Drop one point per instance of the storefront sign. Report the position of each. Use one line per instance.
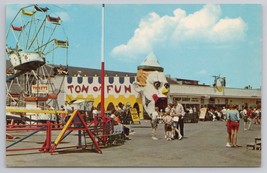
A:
(134, 115)
(202, 114)
(41, 89)
(81, 88)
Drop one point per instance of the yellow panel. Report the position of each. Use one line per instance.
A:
(27, 13)
(132, 99)
(65, 127)
(36, 111)
(61, 43)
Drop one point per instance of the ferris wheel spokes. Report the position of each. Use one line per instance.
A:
(37, 34)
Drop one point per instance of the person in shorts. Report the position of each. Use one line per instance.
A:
(245, 118)
(228, 138)
(168, 126)
(154, 122)
(233, 118)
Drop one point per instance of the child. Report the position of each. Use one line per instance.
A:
(168, 126)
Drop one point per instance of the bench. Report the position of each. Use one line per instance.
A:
(256, 145)
(251, 145)
(115, 138)
(257, 139)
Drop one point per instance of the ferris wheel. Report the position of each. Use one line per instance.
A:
(34, 40)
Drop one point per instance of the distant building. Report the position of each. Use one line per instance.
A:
(195, 95)
(84, 83)
(188, 92)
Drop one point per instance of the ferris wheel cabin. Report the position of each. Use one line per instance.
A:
(21, 60)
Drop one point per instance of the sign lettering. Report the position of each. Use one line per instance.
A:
(81, 88)
(42, 89)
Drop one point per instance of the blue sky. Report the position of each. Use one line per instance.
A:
(190, 41)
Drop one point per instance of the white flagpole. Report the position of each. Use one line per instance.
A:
(103, 28)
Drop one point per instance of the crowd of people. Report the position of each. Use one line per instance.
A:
(172, 119)
(249, 114)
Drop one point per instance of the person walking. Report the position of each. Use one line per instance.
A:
(233, 118)
(179, 109)
(224, 112)
(228, 130)
(245, 118)
(175, 120)
(256, 117)
(249, 117)
(154, 122)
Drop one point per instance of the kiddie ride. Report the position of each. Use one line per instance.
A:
(95, 134)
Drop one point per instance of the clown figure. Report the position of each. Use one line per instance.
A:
(152, 84)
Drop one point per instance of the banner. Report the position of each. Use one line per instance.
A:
(41, 89)
(202, 114)
(134, 115)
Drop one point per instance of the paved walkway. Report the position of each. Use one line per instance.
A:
(203, 146)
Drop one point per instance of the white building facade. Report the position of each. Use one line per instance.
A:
(200, 96)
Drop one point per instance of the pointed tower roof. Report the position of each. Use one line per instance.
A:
(150, 63)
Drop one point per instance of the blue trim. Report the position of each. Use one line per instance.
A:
(90, 80)
(80, 80)
(132, 79)
(69, 79)
(111, 80)
(121, 80)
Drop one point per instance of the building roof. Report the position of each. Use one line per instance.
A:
(72, 71)
(192, 90)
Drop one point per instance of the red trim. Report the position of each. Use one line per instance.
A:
(17, 28)
(52, 96)
(34, 99)
(102, 108)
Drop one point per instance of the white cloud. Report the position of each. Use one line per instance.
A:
(204, 25)
(228, 30)
(202, 72)
(198, 24)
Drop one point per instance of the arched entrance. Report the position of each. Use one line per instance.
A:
(98, 106)
(136, 106)
(110, 107)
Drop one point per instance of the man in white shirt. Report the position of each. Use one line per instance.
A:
(175, 120)
(179, 111)
(224, 112)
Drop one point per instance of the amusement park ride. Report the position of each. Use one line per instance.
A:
(34, 37)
